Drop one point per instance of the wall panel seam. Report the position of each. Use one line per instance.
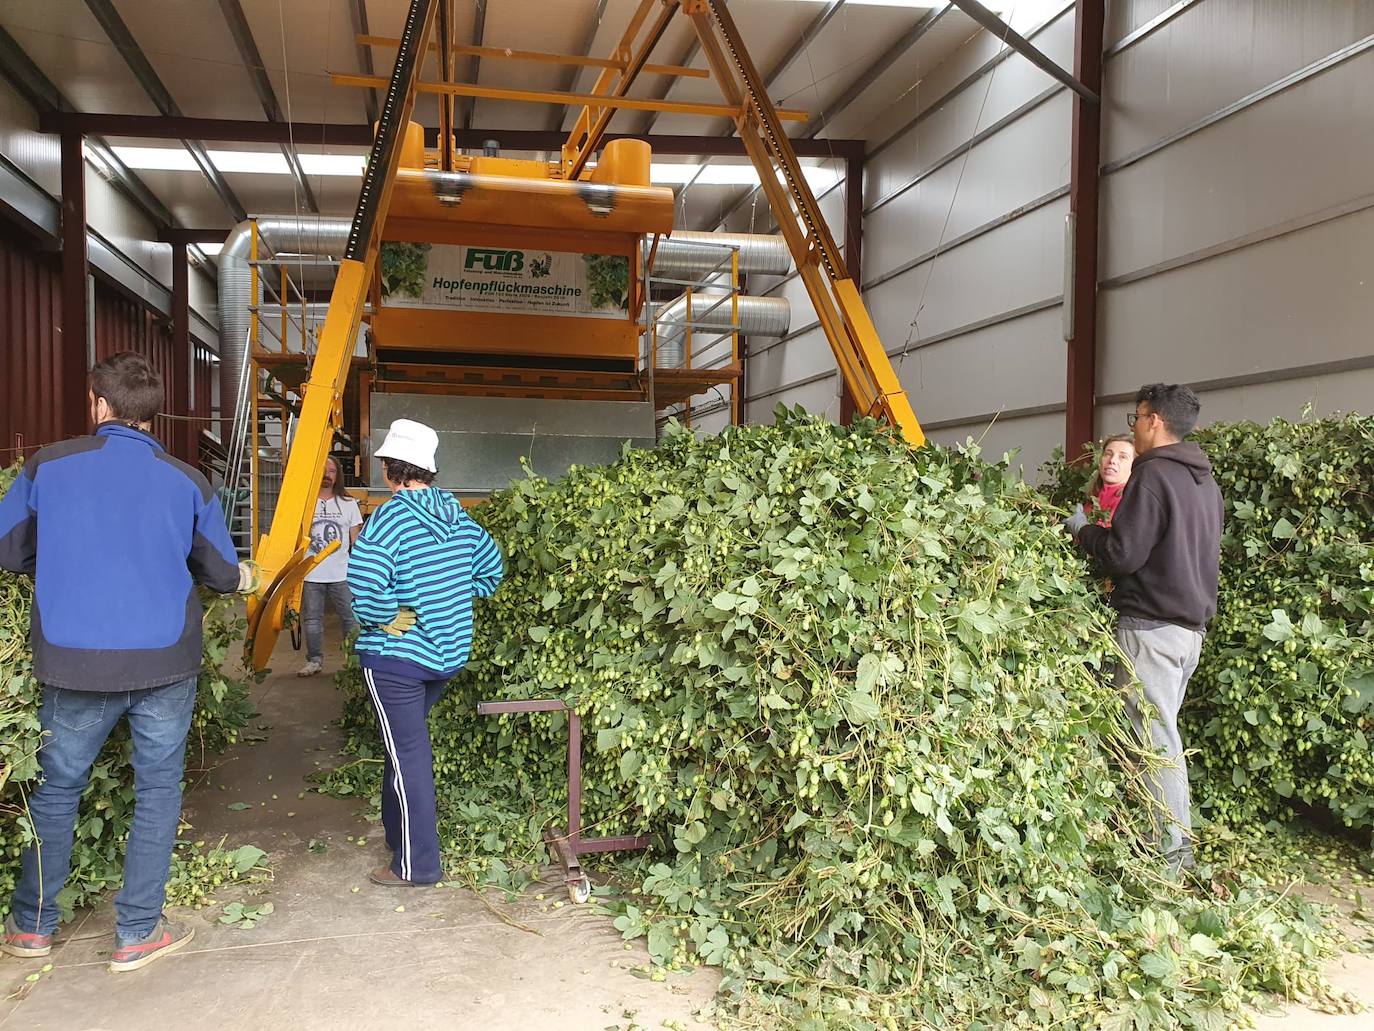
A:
(997, 223)
(1358, 363)
(982, 136)
(1149, 28)
(1239, 243)
(973, 327)
(1276, 87)
(986, 68)
(1002, 415)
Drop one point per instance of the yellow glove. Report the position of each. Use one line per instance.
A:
(405, 619)
(250, 578)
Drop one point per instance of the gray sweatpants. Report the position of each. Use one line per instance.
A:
(1164, 659)
(313, 599)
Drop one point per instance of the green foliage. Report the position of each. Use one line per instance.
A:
(196, 871)
(404, 267)
(608, 280)
(223, 708)
(1281, 709)
(856, 694)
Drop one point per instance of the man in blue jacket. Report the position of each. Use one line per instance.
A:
(116, 534)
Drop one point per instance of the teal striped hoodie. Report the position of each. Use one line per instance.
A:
(422, 551)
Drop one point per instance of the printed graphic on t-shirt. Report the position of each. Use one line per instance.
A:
(324, 531)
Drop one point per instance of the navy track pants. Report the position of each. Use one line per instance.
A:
(402, 703)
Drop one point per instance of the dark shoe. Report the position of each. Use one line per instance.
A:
(24, 944)
(164, 939)
(384, 876)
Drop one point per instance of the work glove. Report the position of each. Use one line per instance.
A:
(250, 578)
(405, 619)
(1075, 523)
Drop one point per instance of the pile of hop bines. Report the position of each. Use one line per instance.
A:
(858, 696)
(222, 710)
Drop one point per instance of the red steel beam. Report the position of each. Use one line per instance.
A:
(72, 351)
(235, 130)
(183, 429)
(1085, 162)
(177, 235)
(853, 253)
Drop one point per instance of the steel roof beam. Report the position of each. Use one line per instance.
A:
(45, 98)
(559, 115)
(994, 24)
(479, 32)
(851, 93)
(123, 40)
(889, 57)
(267, 96)
(233, 130)
(688, 56)
(357, 10)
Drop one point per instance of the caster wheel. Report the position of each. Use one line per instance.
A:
(580, 891)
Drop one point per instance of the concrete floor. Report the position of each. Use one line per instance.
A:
(330, 957)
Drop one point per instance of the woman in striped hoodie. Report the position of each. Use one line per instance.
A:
(414, 571)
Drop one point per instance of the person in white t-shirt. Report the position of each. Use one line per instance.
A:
(336, 518)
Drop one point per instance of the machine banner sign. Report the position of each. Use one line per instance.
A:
(520, 282)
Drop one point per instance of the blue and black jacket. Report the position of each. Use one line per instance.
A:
(422, 551)
(116, 533)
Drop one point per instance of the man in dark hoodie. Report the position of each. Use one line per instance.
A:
(1163, 552)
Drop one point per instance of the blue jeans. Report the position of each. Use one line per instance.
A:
(314, 597)
(77, 724)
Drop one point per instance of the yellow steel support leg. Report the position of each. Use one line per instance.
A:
(282, 554)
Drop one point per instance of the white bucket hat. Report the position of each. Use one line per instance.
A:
(412, 442)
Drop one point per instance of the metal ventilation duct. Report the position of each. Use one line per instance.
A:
(758, 316)
(288, 234)
(699, 253)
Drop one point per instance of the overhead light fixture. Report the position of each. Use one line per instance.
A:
(818, 176)
(252, 162)
(210, 249)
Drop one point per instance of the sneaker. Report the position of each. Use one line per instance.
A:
(22, 943)
(164, 939)
(310, 668)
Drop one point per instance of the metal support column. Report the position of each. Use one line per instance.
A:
(1081, 267)
(853, 253)
(72, 363)
(183, 431)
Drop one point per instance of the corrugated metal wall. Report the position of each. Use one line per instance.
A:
(122, 325)
(30, 335)
(1238, 217)
(1237, 224)
(30, 299)
(965, 193)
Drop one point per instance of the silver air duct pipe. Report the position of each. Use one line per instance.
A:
(700, 253)
(307, 234)
(758, 316)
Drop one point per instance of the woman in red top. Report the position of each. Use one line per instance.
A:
(1113, 470)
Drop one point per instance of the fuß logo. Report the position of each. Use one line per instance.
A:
(490, 259)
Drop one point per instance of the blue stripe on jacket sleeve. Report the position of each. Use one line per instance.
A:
(487, 567)
(371, 578)
(19, 527)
